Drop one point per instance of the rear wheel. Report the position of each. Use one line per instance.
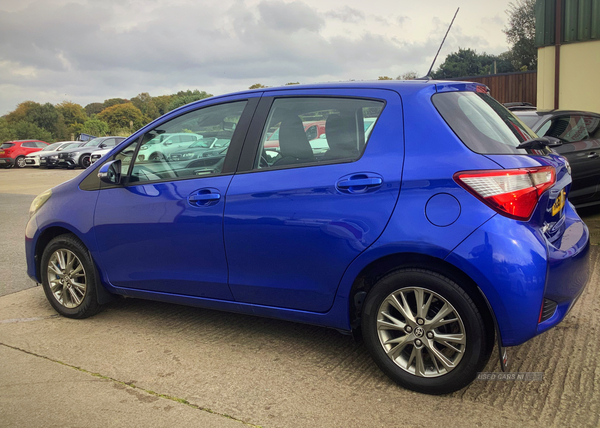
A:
(424, 331)
(20, 162)
(69, 277)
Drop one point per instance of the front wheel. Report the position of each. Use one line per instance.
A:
(424, 331)
(69, 277)
(85, 161)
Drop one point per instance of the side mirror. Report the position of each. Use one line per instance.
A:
(101, 145)
(110, 172)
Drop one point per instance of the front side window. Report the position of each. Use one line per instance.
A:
(181, 147)
(291, 134)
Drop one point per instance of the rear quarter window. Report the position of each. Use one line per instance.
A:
(482, 123)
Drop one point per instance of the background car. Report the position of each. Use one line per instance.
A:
(200, 147)
(438, 231)
(13, 153)
(34, 158)
(579, 132)
(162, 145)
(80, 156)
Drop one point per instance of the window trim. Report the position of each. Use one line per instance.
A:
(91, 182)
(253, 139)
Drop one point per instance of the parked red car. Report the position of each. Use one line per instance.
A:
(14, 152)
(312, 129)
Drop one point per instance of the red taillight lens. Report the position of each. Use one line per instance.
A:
(513, 193)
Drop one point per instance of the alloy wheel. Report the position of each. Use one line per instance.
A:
(421, 332)
(66, 277)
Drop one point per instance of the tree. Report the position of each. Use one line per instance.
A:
(520, 33)
(257, 86)
(7, 132)
(384, 78)
(72, 113)
(292, 83)
(122, 116)
(24, 130)
(96, 127)
(182, 98)
(162, 103)
(20, 113)
(146, 105)
(114, 101)
(409, 75)
(94, 108)
(467, 62)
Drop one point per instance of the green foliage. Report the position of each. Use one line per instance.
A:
(384, 78)
(182, 98)
(93, 108)
(122, 116)
(409, 75)
(467, 62)
(292, 83)
(7, 132)
(146, 105)
(114, 101)
(520, 34)
(20, 113)
(257, 86)
(72, 113)
(24, 130)
(96, 127)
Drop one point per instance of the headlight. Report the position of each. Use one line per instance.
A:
(71, 155)
(144, 148)
(53, 157)
(188, 155)
(39, 201)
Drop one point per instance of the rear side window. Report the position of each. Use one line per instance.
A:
(293, 134)
(482, 123)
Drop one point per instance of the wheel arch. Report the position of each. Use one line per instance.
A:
(377, 269)
(47, 235)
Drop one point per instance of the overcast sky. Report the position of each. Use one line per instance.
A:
(88, 51)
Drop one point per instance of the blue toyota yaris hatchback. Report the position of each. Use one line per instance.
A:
(426, 215)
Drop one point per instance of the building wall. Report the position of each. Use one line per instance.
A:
(579, 77)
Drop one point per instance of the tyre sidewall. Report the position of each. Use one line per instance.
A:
(89, 305)
(17, 160)
(474, 358)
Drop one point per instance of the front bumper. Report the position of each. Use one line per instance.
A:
(32, 161)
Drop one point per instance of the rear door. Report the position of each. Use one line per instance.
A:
(296, 217)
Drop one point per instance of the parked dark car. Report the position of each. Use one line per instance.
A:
(81, 156)
(579, 132)
(434, 230)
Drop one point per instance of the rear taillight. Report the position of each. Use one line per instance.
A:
(513, 193)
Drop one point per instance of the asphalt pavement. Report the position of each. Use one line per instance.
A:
(141, 363)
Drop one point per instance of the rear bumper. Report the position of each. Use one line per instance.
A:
(6, 161)
(516, 268)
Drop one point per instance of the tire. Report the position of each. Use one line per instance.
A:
(156, 157)
(425, 352)
(69, 277)
(85, 161)
(20, 162)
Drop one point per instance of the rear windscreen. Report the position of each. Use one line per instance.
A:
(482, 123)
(6, 145)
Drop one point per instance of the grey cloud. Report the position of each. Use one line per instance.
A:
(402, 19)
(346, 14)
(289, 17)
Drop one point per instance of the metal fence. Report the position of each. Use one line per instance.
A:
(509, 87)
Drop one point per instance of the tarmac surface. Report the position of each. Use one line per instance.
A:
(141, 363)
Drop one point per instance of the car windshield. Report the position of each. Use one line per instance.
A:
(6, 145)
(70, 146)
(482, 123)
(51, 147)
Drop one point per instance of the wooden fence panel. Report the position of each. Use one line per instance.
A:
(509, 87)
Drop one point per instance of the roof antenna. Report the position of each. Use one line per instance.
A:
(428, 75)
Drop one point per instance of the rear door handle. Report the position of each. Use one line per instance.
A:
(204, 197)
(369, 182)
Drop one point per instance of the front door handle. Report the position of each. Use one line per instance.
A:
(593, 155)
(204, 197)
